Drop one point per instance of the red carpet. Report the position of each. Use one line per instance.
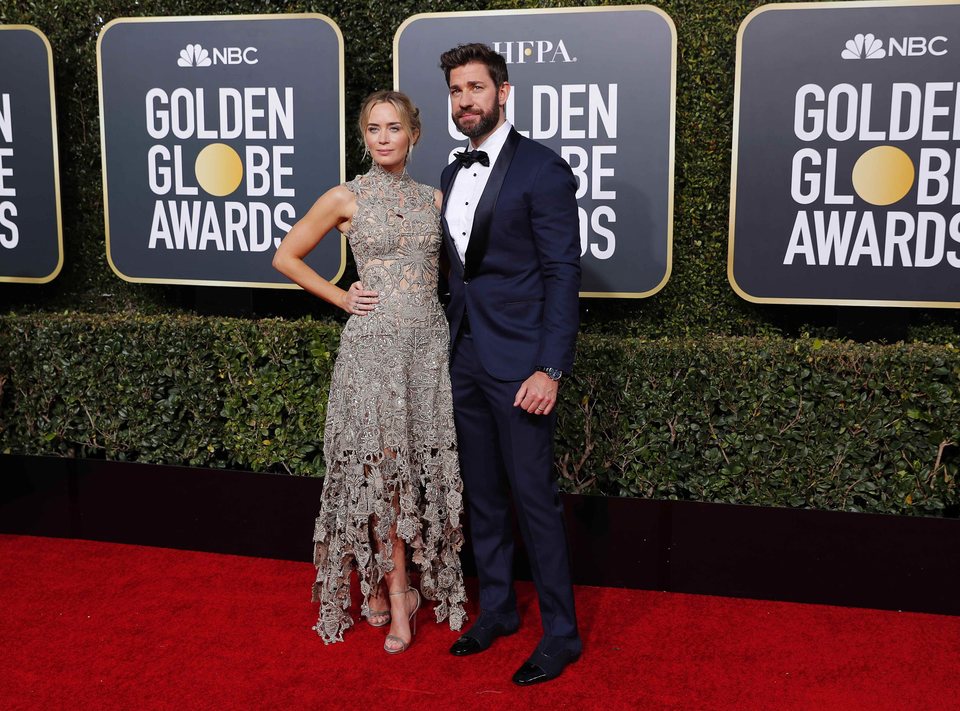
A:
(87, 625)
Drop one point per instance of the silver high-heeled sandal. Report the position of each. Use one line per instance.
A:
(413, 626)
(378, 613)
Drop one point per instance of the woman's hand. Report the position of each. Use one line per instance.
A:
(357, 301)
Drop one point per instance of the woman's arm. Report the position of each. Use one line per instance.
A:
(335, 208)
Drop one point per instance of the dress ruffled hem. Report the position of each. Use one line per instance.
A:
(428, 493)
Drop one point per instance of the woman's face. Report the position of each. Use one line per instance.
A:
(386, 140)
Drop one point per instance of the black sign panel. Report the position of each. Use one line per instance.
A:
(846, 172)
(597, 86)
(31, 236)
(218, 133)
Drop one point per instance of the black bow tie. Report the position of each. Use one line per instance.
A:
(468, 158)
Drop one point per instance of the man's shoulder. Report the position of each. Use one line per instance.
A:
(536, 151)
(541, 162)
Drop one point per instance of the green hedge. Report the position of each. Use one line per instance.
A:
(764, 421)
(167, 390)
(807, 423)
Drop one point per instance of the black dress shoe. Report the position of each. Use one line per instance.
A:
(541, 667)
(481, 636)
(465, 646)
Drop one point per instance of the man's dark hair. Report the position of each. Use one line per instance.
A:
(475, 52)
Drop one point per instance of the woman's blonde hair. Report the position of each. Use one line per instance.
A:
(408, 113)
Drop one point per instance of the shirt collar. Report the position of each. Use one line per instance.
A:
(495, 141)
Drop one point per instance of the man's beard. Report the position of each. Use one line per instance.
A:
(488, 121)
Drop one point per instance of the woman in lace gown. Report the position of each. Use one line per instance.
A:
(392, 489)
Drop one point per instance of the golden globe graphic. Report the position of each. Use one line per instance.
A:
(202, 187)
(31, 236)
(883, 175)
(219, 169)
(845, 185)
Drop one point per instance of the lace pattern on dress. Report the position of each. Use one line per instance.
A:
(389, 434)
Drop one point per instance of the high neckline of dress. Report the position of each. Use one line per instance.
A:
(376, 170)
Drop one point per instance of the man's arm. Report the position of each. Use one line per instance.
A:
(556, 233)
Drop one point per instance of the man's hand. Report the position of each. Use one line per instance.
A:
(538, 394)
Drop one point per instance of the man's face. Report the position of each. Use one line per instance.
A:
(475, 100)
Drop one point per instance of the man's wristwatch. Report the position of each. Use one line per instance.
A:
(552, 373)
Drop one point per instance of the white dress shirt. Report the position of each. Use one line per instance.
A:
(467, 188)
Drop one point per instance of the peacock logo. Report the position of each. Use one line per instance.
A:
(193, 55)
(864, 46)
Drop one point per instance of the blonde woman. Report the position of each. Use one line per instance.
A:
(392, 490)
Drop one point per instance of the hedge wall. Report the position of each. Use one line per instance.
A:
(742, 420)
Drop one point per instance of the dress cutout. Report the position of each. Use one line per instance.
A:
(389, 432)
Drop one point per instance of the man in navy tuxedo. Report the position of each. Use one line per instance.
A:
(511, 233)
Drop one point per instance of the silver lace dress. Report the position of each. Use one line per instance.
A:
(389, 439)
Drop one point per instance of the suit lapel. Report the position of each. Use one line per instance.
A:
(446, 183)
(480, 234)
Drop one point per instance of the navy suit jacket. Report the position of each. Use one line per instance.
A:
(519, 286)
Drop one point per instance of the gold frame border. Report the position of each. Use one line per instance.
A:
(56, 162)
(103, 145)
(673, 107)
(735, 156)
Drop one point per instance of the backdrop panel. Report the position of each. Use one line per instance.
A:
(597, 86)
(218, 134)
(31, 234)
(846, 168)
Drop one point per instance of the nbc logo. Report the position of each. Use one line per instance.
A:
(868, 46)
(864, 47)
(193, 55)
